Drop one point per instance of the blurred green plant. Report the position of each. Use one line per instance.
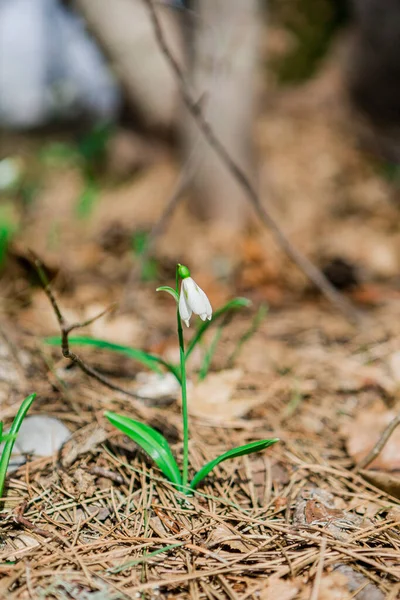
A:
(247, 335)
(88, 155)
(8, 228)
(149, 265)
(389, 171)
(87, 199)
(88, 152)
(311, 25)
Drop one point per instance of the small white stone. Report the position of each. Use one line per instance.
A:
(41, 435)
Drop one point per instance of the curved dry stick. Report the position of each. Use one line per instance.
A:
(66, 329)
(380, 444)
(308, 268)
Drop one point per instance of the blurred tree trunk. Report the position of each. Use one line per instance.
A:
(124, 30)
(221, 55)
(223, 59)
(374, 73)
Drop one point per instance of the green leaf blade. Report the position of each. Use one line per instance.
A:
(151, 361)
(255, 324)
(151, 441)
(10, 438)
(232, 305)
(170, 291)
(233, 453)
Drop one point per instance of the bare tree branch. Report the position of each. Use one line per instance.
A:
(308, 268)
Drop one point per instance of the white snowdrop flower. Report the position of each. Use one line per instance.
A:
(192, 299)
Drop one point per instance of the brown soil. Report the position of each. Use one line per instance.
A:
(296, 521)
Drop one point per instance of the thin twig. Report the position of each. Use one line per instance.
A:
(380, 444)
(66, 329)
(160, 225)
(14, 354)
(107, 474)
(195, 109)
(176, 194)
(19, 519)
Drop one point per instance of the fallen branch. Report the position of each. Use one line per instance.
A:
(195, 109)
(379, 446)
(66, 329)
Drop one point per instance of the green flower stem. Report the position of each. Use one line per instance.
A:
(185, 419)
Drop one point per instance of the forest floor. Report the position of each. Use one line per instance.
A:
(97, 519)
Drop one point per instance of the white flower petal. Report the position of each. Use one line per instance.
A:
(208, 307)
(193, 300)
(195, 297)
(184, 309)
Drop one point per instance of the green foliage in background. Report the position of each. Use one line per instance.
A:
(312, 25)
(149, 267)
(8, 228)
(88, 155)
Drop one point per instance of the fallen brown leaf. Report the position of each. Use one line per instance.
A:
(223, 536)
(358, 581)
(388, 482)
(213, 399)
(279, 589)
(316, 507)
(82, 442)
(363, 433)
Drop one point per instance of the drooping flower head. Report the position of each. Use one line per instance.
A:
(192, 299)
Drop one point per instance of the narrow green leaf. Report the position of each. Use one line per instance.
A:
(152, 442)
(232, 305)
(87, 199)
(169, 290)
(7, 437)
(141, 243)
(255, 324)
(6, 454)
(240, 451)
(205, 365)
(151, 361)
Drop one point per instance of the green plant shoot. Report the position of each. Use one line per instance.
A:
(154, 362)
(190, 299)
